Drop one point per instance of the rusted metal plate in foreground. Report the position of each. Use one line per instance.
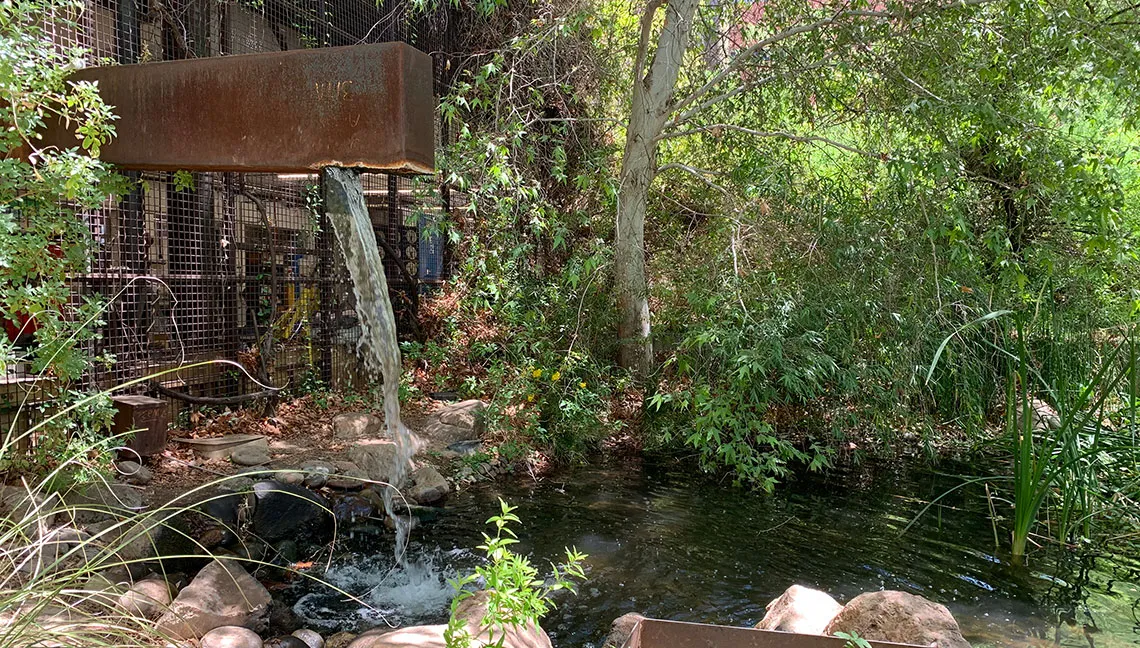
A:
(655, 633)
(365, 106)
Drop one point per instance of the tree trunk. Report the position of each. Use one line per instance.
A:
(634, 343)
(651, 105)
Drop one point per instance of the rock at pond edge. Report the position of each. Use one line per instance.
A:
(899, 617)
(230, 637)
(622, 629)
(286, 511)
(800, 609)
(222, 594)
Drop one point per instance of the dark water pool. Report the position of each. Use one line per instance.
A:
(669, 544)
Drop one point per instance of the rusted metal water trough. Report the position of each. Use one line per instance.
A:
(657, 633)
(363, 106)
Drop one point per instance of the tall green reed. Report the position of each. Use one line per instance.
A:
(1060, 464)
(1064, 384)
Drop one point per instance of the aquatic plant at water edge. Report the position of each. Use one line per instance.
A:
(1061, 464)
(853, 640)
(1068, 468)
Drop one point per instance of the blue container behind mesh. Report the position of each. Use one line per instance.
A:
(431, 249)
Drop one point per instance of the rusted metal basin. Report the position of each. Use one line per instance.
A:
(656, 633)
(367, 106)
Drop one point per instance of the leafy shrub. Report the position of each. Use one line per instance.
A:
(42, 238)
(517, 598)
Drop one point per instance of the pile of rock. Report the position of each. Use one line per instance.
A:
(261, 514)
(892, 616)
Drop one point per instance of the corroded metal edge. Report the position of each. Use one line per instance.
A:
(658, 633)
(363, 106)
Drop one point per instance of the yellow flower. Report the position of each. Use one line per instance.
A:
(530, 398)
(537, 373)
(582, 384)
(556, 375)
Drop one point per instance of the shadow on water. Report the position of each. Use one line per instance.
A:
(669, 544)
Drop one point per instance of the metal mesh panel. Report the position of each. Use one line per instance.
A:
(244, 267)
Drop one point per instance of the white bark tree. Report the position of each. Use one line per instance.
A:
(657, 112)
(655, 79)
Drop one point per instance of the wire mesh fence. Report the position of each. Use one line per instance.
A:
(242, 267)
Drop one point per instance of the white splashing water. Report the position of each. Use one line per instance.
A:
(414, 592)
(348, 213)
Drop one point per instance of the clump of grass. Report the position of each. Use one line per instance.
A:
(61, 585)
(1059, 466)
(1069, 470)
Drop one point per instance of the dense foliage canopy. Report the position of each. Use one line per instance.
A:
(832, 189)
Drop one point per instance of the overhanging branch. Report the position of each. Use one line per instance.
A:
(748, 52)
(700, 174)
(792, 137)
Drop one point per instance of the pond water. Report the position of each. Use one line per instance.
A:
(667, 543)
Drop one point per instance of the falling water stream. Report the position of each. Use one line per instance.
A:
(348, 213)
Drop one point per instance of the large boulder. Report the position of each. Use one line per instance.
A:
(51, 621)
(347, 476)
(471, 611)
(146, 599)
(377, 460)
(62, 548)
(311, 638)
(102, 590)
(898, 617)
(340, 640)
(130, 543)
(622, 629)
(457, 423)
(287, 511)
(348, 509)
(800, 609)
(27, 508)
(135, 545)
(222, 594)
(316, 473)
(428, 486)
(356, 425)
(467, 415)
(251, 455)
(133, 472)
(1042, 416)
(442, 434)
(101, 501)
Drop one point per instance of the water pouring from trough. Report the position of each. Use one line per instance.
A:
(348, 212)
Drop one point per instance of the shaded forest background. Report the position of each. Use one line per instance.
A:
(842, 192)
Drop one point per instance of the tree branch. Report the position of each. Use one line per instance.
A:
(777, 134)
(643, 41)
(700, 174)
(212, 400)
(1120, 12)
(791, 32)
(751, 85)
